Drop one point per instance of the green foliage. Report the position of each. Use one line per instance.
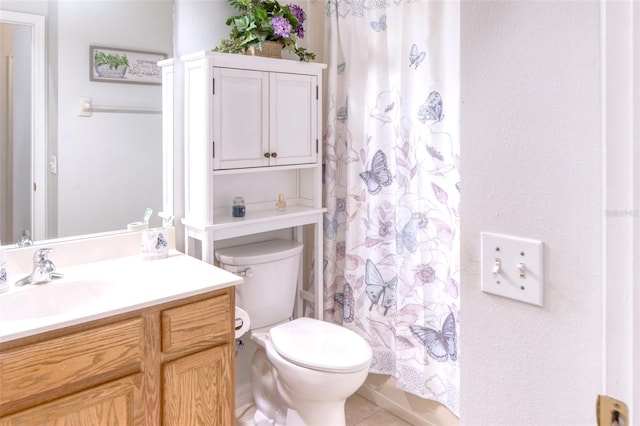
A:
(114, 60)
(253, 25)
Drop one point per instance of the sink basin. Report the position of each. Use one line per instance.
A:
(53, 298)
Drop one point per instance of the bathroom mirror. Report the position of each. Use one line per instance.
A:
(64, 174)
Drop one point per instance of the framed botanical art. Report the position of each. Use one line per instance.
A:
(115, 65)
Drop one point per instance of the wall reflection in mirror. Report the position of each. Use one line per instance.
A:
(63, 174)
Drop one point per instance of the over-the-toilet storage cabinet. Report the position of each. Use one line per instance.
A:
(253, 129)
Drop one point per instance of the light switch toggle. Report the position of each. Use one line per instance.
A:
(522, 269)
(497, 266)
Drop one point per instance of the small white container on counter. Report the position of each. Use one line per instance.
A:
(154, 244)
(137, 226)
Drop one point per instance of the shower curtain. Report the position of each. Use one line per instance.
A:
(391, 159)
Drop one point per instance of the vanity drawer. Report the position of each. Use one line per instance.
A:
(90, 357)
(198, 324)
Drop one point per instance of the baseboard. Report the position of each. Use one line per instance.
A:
(428, 418)
(391, 406)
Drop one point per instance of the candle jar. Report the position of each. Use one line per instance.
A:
(238, 208)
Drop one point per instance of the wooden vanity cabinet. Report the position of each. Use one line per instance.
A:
(170, 364)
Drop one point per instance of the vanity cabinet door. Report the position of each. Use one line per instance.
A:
(293, 133)
(198, 389)
(240, 118)
(115, 403)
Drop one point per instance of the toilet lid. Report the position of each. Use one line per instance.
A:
(320, 345)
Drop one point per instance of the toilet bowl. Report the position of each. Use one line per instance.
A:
(303, 369)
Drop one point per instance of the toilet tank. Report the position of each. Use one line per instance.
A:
(268, 294)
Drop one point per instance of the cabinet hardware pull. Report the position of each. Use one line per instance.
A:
(267, 155)
(274, 154)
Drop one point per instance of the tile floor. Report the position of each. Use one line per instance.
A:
(360, 412)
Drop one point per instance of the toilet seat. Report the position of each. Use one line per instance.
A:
(320, 345)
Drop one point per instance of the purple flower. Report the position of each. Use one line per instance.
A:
(281, 26)
(298, 12)
(384, 229)
(425, 274)
(421, 218)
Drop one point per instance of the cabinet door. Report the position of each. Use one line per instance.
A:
(115, 403)
(293, 119)
(198, 389)
(240, 118)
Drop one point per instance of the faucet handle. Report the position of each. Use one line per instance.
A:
(41, 255)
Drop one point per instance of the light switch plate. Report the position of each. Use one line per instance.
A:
(512, 267)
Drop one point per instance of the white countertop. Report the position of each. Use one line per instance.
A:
(125, 284)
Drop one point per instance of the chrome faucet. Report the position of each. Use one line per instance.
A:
(43, 269)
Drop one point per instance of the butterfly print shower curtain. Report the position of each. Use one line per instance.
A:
(391, 152)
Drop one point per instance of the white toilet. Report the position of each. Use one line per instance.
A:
(304, 369)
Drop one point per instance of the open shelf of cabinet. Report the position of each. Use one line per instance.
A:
(227, 226)
(253, 129)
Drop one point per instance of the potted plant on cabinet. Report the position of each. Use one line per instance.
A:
(261, 22)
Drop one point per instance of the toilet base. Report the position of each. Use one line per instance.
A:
(317, 414)
(271, 409)
(292, 419)
(260, 419)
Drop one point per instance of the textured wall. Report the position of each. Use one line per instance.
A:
(530, 135)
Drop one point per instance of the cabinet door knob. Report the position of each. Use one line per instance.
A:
(274, 154)
(267, 155)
